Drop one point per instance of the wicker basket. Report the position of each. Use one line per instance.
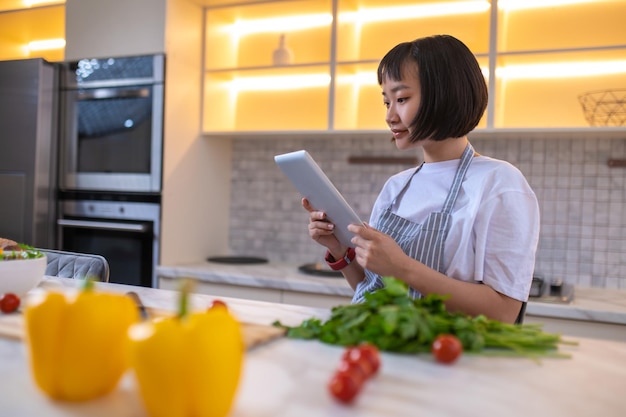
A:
(605, 107)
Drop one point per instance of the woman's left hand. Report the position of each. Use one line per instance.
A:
(375, 250)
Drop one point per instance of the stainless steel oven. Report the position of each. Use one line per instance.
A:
(111, 124)
(123, 228)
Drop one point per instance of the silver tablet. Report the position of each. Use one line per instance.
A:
(313, 184)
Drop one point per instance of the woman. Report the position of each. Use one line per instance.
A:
(461, 224)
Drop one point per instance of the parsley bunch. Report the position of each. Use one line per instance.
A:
(391, 320)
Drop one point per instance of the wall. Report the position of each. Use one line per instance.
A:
(96, 28)
(582, 200)
(195, 169)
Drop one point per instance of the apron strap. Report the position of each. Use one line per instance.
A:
(466, 159)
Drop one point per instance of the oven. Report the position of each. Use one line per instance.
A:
(111, 113)
(123, 228)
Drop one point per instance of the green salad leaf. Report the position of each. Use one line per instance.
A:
(395, 322)
(24, 252)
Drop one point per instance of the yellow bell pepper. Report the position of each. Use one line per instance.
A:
(188, 365)
(77, 343)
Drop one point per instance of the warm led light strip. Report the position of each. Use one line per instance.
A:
(280, 24)
(509, 5)
(293, 23)
(274, 83)
(31, 3)
(46, 44)
(558, 70)
(528, 71)
(414, 12)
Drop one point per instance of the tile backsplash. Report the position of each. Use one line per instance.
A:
(582, 199)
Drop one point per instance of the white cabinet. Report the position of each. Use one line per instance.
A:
(260, 294)
(537, 60)
(578, 328)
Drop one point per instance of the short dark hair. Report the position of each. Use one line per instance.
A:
(453, 89)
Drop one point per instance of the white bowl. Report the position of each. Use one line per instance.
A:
(19, 276)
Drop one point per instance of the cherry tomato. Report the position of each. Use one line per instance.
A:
(446, 348)
(9, 302)
(354, 369)
(356, 356)
(344, 387)
(218, 304)
(372, 354)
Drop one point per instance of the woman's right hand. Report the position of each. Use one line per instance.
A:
(320, 229)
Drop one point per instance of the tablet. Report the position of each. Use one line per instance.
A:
(313, 184)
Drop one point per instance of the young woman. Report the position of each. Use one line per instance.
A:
(460, 224)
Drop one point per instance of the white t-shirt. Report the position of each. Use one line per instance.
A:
(494, 227)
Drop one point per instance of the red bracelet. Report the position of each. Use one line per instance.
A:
(341, 263)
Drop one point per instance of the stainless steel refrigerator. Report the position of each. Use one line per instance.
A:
(28, 147)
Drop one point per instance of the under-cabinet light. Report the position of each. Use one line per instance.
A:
(365, 15)
(31, 3)
(274, 83)
(358, 79)
(509, 5)
(562, 69)
(525, 71)
(280, 24)
(414, 12)
(46, 44)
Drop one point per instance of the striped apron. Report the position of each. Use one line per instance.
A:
(424, 242)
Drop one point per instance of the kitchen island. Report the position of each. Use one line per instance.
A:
(288, 377)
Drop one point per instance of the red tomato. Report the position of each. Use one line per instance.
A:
(218, 304)
(446, 348)
(356, 356)
(354, 369)
(9, 302)
(344, 387)
(371, 353)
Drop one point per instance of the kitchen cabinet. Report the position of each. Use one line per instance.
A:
(21, 24)
(274, 295)
(580, 328)
(543, 59)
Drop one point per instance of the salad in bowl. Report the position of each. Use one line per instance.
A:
(21, 267)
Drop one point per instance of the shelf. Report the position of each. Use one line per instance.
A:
(247, 35)
(598, 23)
(238, 103)
(552, 100)
(12, 5)
(361, 36)
(18, 27)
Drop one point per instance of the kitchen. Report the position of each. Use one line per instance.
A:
(228, 164)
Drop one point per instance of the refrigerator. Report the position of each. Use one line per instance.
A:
(28, 151)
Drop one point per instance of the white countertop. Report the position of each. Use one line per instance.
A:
(288, 377)
(589, 304)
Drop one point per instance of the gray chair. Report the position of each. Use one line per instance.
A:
(522, 314)
(76, 265)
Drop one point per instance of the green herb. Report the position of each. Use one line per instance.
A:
(24, 252)
(394, 322)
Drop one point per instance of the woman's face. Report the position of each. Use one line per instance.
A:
(402, 100)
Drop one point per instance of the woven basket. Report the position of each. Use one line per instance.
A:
(605, 107)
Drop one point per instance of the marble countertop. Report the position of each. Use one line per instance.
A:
(288, 377)
(589, 304)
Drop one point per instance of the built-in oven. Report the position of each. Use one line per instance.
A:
(111, 124)
(123, 228)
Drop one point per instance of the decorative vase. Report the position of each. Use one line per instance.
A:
(282, 55)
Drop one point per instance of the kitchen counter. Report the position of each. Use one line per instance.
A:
(589, 304)
(288, 377)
